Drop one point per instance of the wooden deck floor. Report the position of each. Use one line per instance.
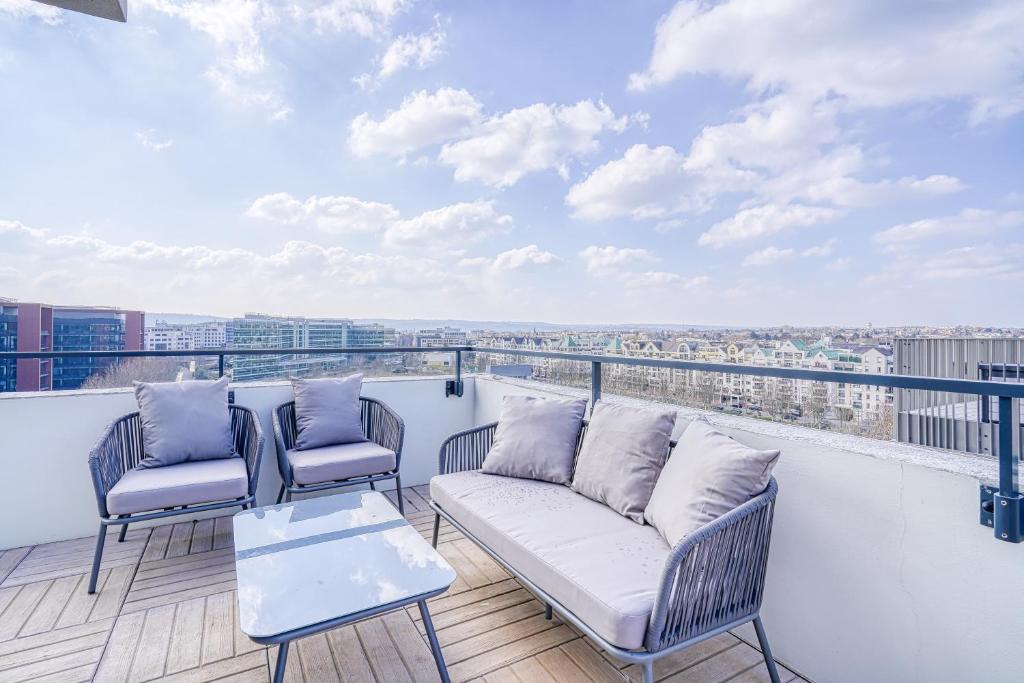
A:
(167, 611)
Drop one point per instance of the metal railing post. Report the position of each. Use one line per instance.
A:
(1007, 511)
(220, 364)
(595, 384)
(454, 387)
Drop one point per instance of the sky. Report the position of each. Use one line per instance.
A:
(745, 162)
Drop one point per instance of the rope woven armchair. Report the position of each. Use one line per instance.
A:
(381, 426)
(712, 580)
(120, 449)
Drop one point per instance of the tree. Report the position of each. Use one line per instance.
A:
(124, 371)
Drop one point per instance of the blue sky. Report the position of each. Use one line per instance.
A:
(738, 162)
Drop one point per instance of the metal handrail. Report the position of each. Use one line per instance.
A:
(1002, 507)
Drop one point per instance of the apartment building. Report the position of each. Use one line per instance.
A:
(28, 326)
(258, 331)
(441, 336)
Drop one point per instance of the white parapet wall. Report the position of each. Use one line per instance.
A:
(45, 439)
(879, 569)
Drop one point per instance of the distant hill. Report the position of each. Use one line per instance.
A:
(527, 326)
(179, 318)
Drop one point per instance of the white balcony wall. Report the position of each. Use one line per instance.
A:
(45, 439)
(879, 569)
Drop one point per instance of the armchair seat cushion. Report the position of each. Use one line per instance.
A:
(602, 566)
(189, 483)
(340, 461)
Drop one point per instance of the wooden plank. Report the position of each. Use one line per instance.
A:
(201, 591)
(20, 609)
(156, 549)
(39, 651)
(413, 649)
(9, 559)
(466, 570)
(202, 537)
(250, 666)
(590, 662)
(12, 647)
(488, 622)
(349, 654)
(531, 669)
(511, 651)
(505, 675)
(111, 596)
(49, 609)
(120, 650)
(223, 533)
(181, 539)
(380, 652)
(53, 665)
(317, 661)
(154, 641)
(80, 674)
(185, 649)
(721, 667)
(502, 637)
(443, 618)
(219, 627)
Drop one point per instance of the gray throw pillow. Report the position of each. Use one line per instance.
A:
(622, 454)
(536, 438)
(327, 411)
(184, 421)
(708, 474)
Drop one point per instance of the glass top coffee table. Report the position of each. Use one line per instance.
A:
(313, 565)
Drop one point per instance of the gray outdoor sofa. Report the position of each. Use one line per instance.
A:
(618, 581)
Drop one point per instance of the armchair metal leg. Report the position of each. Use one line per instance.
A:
(373, 486)
(437, 527)
(124, 531)
(648, 668)
(766, 650)
(100, 540)
(398, 490)
(280, 495)
(547, 611)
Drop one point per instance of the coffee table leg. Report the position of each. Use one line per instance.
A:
(282, 662)
(435, 647)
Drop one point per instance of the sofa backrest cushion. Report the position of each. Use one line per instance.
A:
(708, 475)
(622, 455)
(536, 438)
(327, 411)
(184, 421)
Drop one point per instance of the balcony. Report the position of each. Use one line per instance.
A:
(878, 570)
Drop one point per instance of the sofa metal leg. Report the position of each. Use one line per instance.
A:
(280, 495)
(100, 540)
(398, 490)
(766, 650)
(437, 528)
(373, 486)
(648, 668)
(547, 611)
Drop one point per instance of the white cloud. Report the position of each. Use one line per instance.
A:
(768, 256)
(819, 250)
(23, 9)
(497, 150)
(147, 139)
(840, 264)
(449, 227)
(761, 221)
(969, 222)
(409, 50)
(367, 18)
(339, 215)
(423, 119)
(600, 259)
(508, 146)
(981, 262)
(528, 257)
(657, 279)
(647, 182)
(871, 53)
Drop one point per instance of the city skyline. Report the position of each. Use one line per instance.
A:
(393, 159)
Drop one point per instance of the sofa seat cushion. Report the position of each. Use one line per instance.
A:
(340, 461)
(600, 565)
(189, 483)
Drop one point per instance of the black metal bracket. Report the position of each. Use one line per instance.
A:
(1005, 514)
(453, 387)
(231, 396)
